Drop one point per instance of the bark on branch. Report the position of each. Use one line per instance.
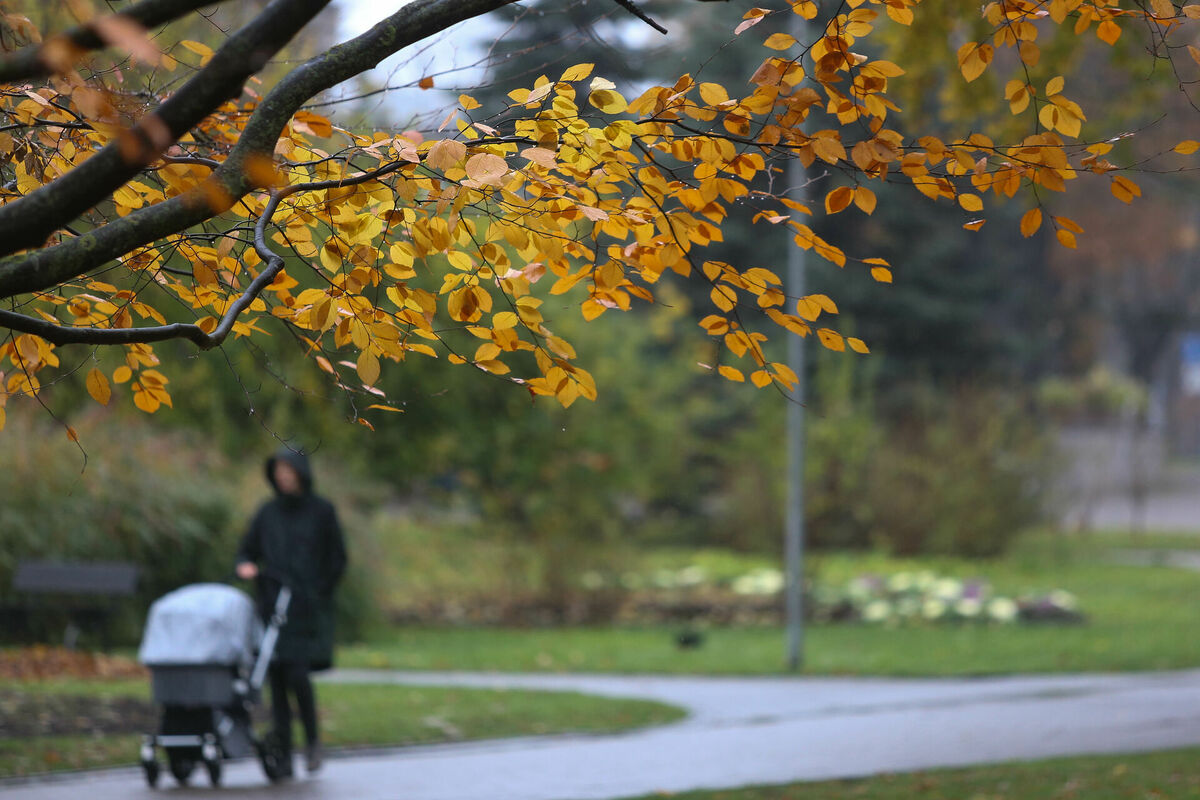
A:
(29, 221)
(43, 269)
(31, 62)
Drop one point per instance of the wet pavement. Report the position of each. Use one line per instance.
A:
(740, 731)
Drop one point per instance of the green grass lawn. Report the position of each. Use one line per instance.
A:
(357, 715)
(1139, 618)
(1170, 775)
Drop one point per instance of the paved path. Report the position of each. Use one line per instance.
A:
(741, 731)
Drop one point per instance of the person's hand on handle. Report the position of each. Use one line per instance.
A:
(247, 570)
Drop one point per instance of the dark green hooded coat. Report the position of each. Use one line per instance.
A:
(296, 538)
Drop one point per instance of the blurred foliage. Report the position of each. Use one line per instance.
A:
(162, 502)
(1100, 396)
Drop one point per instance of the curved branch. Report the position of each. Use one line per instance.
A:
(42, 269)
(29, 221)
(64, 334)
(31, 62)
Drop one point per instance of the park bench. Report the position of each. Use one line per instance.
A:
(85, 592)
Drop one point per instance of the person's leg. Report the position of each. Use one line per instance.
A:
(281, 712)
(306, 700)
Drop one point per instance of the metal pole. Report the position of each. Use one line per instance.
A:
(794, 516)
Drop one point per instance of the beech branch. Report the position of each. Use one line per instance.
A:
(33, 61)
(44, 268)
(65, 334)
(29, 221)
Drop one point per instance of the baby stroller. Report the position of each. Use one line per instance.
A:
(208, 654)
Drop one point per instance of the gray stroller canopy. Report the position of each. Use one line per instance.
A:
(205, 623)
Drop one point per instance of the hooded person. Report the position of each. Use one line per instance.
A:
(295, 539)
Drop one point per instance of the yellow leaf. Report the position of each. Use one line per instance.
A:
(881, 274)
(1187, 146)
(970, 202)
(731, 373)
(494, 367)
(760, 378)
(202, 50)
(505, 320)
(1069, 224)
(838, 199)
(608, 101)
(1192, 11)
(426, 82)
(368, 368)
(1124, 189)
(864, 198)
(315, 124)
(723, 297)
(1055, 86)
(1030, 222)
(122, 374)
(3, 417)
(486, 168)
(1108, 32)
(713, 93)
(974, 224)
(857, 345)
(1163, 9)
(714, 325)
(97, 386)
(468, 103)
(577, 72)
(973, 59)
(1066, 238)
(445, 154)
(779, 41)
(384, 408)
(831, 339)
(144, 400)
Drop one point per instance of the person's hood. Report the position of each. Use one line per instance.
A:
(298, 461)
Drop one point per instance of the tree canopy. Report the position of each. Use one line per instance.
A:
(153, 190)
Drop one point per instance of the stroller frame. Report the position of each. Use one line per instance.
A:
(209, 716)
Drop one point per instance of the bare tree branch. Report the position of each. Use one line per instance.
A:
(41, 269)
(31, 62)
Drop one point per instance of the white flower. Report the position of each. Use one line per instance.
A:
(876, 611)
(760, 581)
(947, 589)
(924, 579)
(691, 576)
(933, 609)
(968, 607)
(900, 582)
(1002, 609)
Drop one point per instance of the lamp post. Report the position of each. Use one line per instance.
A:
(794, 516)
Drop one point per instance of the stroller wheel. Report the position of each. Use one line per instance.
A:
(151, 769)
(181, 766)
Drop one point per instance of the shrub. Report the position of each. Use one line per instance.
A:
(163, 503)
(961, 476)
